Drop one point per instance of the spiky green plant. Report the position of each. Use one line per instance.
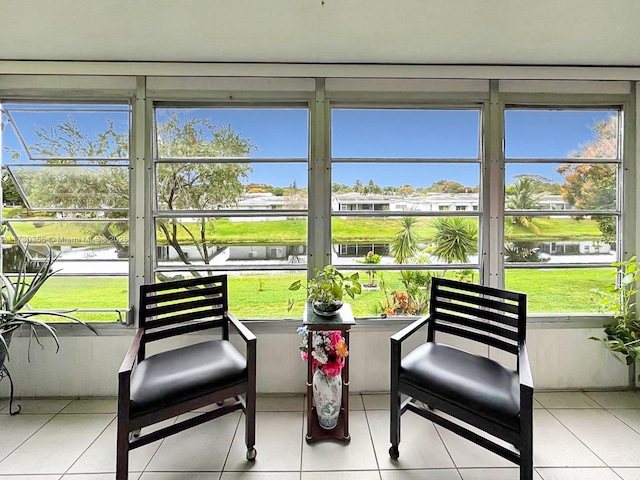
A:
(14, 305)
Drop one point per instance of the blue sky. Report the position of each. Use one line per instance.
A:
(359, 133)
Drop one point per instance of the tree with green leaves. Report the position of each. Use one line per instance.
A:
(526, 195)
(404, 246)
(455, 239)
(182, 185)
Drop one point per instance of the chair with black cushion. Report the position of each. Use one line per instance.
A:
(458, 389)
(207, 372)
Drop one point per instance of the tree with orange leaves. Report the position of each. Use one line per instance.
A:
(593, 186)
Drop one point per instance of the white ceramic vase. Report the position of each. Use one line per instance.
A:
(327, 398)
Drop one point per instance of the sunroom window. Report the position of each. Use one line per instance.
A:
(231, 191)
(65, 179)
(415, 163)
(562, 204)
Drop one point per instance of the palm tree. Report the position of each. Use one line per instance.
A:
(404, 246)
(526, 196)
(455, 239)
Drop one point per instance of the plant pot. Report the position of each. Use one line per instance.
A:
(327, 398)
(325, 309)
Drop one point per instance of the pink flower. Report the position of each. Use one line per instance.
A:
(304, 355)
(336, 337)
(332, 367)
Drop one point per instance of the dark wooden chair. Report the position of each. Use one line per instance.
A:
(471, 389)
(157, 387)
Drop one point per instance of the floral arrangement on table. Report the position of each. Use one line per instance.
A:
(329, 350)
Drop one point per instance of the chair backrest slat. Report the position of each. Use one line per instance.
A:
(182, 306)
(487, 340)
(486, 315)
(480, 326)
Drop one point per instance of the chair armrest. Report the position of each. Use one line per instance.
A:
(409, 330)
(524, 368)
(132, 354)
(243, 331)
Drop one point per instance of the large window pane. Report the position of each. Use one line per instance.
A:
(559, 290)
(408, 240)
(405, 186)
(403, 133)
(248, 241)
(54, 132)
(95, 187)
(545, 133)
(232, 132)
(66, 180)
(247, 186)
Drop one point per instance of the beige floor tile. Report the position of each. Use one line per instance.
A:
(577, 474)
(431, 474)
(17, 429)
(565, 400)
(180, 476)
(40, 405)
(616, 399)
(100, 457)
(355, 403)
(280, 403)
(420, 445)
(555, 446)
(336, 456)
(536, 404)
(278, 442)
(493, 474)
(94, 405)
(97, 476)
(376, 402)
(357, 475)
(199, 449)
(66, 435)
(629, 416)
(597, 429)
(30, 477)
(260, 476)
(467, 454)
(628, 473)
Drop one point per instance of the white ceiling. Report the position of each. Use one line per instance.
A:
(494, 32)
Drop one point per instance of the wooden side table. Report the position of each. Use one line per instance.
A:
(342, 321)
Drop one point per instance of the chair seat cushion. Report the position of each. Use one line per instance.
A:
(178, 375)
(472, 382)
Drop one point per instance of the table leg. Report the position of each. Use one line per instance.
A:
(345, 389)
(309, 385)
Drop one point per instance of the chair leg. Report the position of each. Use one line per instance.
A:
(250, 424)
(395, 425)
(526, 448)
(122, 453)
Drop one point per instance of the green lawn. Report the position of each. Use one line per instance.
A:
(293, 231)
(266, 296)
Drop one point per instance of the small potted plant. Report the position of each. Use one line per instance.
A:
(622, 335)
(327, 289)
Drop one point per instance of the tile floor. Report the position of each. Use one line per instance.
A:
(578, 436)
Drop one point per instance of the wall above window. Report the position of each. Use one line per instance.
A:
(546, 32)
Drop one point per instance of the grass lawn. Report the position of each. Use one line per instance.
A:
(351, 230)
(266, 295)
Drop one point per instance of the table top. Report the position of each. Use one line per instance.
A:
(343, 320)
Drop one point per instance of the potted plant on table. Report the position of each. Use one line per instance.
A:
(327, 289)
(15, 312)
